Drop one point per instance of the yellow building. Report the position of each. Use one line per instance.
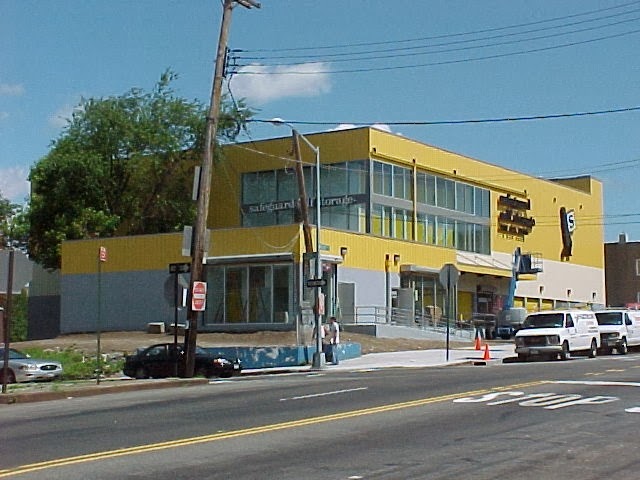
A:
(393, 213)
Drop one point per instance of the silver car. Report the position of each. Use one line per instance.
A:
(23, 368)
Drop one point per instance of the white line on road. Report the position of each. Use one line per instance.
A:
(324, 394)
(599, 383)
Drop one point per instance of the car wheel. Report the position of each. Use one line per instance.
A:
(141, 373)
(11, 377)
(593, 350)
(565, 354)
(623, 348)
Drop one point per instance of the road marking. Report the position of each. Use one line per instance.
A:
(633, 410)
(598, 382)
(548, 401)
(324, 394)
(121, 452)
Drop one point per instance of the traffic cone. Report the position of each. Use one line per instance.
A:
(478, 343)
(487, 355)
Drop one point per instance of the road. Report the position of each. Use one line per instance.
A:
(525, 420)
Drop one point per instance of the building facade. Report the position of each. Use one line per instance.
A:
(622, 266)
(393, 213)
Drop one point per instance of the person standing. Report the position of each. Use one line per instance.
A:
(334, 339)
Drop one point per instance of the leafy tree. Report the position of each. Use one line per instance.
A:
(14, 226)
(122, 166)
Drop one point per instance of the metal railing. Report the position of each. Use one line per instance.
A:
(373, 314)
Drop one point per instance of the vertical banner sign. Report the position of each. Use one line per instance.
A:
(199, 296)
(102, 255)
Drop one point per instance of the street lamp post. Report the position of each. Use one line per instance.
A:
(318, 356)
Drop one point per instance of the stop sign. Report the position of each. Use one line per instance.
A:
(199, 296)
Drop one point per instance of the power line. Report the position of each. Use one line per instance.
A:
(260, 70)
(451, 35)
(360, 56)
(461, 122)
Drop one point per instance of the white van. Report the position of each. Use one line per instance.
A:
(558, 332)
(619, 329)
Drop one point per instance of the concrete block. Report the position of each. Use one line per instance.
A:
(155, 327)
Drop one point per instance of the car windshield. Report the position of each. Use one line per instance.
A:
(609, 318)
(547, 320)
(13, 354)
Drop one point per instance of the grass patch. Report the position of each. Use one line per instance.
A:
(75, 364)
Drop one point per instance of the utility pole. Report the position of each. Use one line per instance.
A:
(204, 185)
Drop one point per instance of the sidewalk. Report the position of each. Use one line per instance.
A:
(371, 361)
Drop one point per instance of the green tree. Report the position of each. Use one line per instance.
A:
(14, 228)
(123, 165)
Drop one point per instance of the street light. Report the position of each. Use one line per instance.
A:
(318, 355)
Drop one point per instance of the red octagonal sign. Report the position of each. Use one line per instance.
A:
(199, 296)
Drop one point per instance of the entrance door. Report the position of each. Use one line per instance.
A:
(347, 302)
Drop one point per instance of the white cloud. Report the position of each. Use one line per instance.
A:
(275, 82)
(382, 126)
(343, 126)
(11, 90)
(13, 183)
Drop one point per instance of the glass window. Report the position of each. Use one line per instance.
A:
(381, 220)
(259, 304)
(464, 198)
(445, 193)
(482, 239)
(382, 178)
(482, 202)
(334, 181)
(426, 189)
(357, 177)
(259, 187)
(445, 229)
(236, 300)
(402, 187)
(216, 295)
(638, 267)
(282, 299)
(401, 224)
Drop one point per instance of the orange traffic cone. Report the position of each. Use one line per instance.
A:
(478, 343)
(487, 355)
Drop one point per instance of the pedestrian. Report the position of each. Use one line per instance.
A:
(334, 339)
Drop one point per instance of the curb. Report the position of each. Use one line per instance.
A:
(91, 390)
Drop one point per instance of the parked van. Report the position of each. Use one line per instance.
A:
(619, 329)
(558, 332)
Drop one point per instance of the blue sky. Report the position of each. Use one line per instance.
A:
(585, 60)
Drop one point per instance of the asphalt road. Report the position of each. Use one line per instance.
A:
(576, 419)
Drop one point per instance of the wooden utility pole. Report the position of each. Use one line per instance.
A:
(204, 185)
(302, 190)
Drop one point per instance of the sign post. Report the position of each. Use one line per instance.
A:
(176, 269)
(102, 258)
(449, 276)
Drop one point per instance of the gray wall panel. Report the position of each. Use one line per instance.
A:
(129, 301)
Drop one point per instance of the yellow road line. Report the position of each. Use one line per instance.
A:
(91, 457)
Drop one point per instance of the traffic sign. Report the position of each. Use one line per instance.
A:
(179, 267)
(199, 296)
(102, 254)
(449, 276)
(316, 282)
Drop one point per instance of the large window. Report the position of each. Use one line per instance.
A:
(250, 294)
(445, 193)
(272, 197)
